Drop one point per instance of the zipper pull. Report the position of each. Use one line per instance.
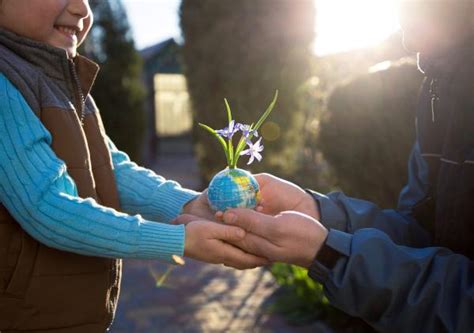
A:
(434, 98)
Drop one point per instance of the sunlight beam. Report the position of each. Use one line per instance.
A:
(343, 25)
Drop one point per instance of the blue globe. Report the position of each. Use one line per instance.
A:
(233, 188)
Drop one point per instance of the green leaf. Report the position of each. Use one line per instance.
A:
(267, 111)
(231, 154)
(230, 145)
(229, 112)
(220, 139)
(241, 145)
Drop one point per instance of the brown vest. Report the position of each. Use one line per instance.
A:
(44, 289)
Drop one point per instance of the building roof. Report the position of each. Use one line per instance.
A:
(152, 50)
(163, 57)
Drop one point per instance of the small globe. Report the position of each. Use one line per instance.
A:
(233, 188)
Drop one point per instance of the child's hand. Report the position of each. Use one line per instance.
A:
(199, 207)
(207, 241)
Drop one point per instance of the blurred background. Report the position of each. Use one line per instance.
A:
(344, 120)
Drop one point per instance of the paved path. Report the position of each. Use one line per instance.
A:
(196, 297)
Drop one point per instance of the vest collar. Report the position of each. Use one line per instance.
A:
(53, 61)
(446, 63)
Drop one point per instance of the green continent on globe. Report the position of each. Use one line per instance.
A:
(233, 188)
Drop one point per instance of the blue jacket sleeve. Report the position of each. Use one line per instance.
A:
(141, 191)
(38, 192)
(397, 288)
(341, 212)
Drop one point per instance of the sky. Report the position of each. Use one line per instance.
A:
(341, 25)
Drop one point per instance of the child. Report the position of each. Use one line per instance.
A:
(63, 183)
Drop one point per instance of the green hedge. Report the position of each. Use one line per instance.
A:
(244, 50)
(368, 130)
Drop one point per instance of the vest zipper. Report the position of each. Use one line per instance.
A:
(80, 105)
(80, 100)
(434, 97)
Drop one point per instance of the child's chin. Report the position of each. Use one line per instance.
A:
(71, 53)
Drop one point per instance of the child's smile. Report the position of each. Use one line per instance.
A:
(60, 23)
(70, 34)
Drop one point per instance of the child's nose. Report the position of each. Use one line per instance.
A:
(79, 8)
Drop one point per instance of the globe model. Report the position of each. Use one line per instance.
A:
(233, 188)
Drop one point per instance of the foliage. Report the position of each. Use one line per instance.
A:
(304, 300)
(244, 51)
(368, 131)
(118, 90)
(331, 72)
(312, 170)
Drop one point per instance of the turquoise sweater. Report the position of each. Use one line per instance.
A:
(38, 192)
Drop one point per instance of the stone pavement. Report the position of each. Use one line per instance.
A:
(196, 297)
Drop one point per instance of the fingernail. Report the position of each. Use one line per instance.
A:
(231, 218)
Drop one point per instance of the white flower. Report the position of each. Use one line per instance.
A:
(253, 150)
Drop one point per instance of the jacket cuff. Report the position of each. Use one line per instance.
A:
(336, 247)
(332, 216)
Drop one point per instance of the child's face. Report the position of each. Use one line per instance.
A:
(60, 23)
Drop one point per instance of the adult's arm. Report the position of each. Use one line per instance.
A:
(397, 288)
(340, 212)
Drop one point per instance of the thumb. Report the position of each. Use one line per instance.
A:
(184, 219)
(250, 220)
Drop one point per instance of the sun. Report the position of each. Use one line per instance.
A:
(343, 25)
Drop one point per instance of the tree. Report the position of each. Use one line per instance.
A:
(118, 90)
(245, 50)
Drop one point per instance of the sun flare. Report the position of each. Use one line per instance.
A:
(342, 25)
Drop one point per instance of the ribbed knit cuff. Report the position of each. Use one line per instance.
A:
(161, 241)
(169, 204)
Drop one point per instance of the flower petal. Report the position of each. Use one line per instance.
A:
(245, 152)
(250, 160)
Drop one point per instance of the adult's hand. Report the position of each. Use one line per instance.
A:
(199, 207)
(278, 195)
(209, 242)
(289, 237)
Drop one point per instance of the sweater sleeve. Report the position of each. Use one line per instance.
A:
(141, 191)
(37, 190)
